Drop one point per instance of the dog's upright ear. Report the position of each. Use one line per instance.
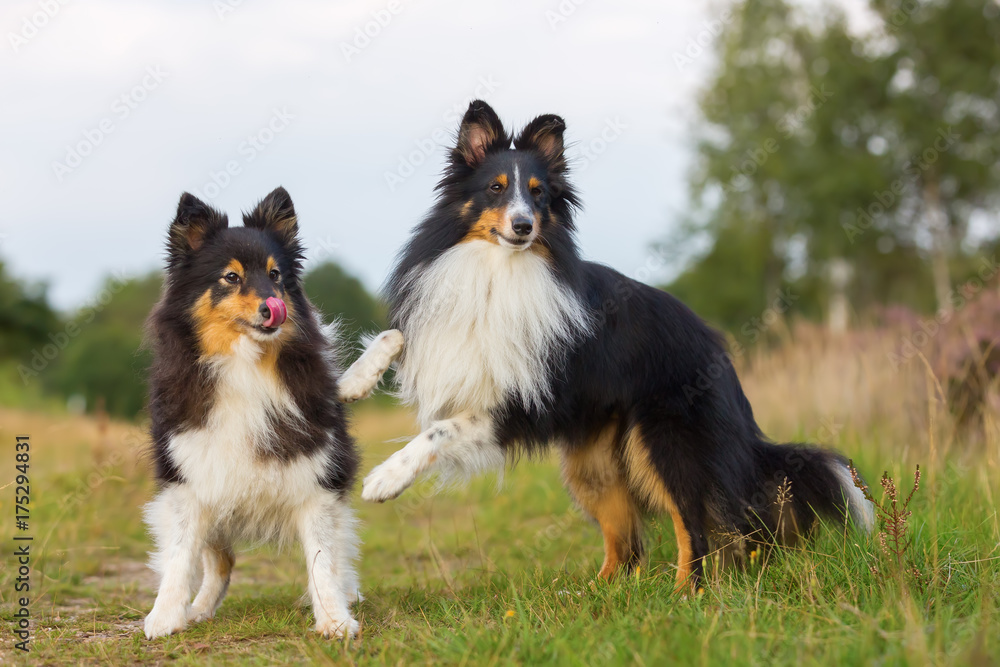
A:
(276, 214)
(544, 135)
(480, 132)
(196, 222)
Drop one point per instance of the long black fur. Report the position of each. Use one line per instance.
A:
(644, 365)
(200, 244)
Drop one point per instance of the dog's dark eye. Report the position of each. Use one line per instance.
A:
(232, 278)
(275, 275)
(497, 188)
(536, 192)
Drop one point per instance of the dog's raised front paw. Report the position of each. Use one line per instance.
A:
(364, 375)
(391, 344)
(389, 479)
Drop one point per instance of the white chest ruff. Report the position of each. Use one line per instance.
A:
(221, 463)
(480, 325)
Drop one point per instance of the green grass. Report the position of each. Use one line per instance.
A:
(477, 577)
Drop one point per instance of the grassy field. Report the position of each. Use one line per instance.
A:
(479, 577)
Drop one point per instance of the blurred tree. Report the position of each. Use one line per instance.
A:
(99, 347)
(104, 356)
(941, 121)
(339, 295)
(808, 160)
(106, 361)
(26, 318)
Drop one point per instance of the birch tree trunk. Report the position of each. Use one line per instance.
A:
(937, 217)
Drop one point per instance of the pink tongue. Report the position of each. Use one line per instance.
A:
(279, 313)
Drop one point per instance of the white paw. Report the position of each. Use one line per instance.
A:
(162, 622)
(338, 628)
(354, 387)
(361, 378)
(197, 614)
(389, 479)
(391, 344)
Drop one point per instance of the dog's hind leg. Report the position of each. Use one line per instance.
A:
(364, 374)
(217, 566)
(180, 530)
(327, 529)
(676, 494)
(458, 447)
(595, 476)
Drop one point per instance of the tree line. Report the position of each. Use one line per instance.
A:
(853, 166)
(95, 355)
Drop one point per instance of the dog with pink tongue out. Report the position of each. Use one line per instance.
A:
(249, 432)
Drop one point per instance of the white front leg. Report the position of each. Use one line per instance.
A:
(179, 529)
(364, 374)
(327, 531)
(458, 447)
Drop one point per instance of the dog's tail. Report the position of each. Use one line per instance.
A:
(795, 483)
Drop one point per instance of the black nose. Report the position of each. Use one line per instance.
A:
(264, 310)
(522, 226)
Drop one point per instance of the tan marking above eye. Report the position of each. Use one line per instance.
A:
(271, 264)
(502, 179)
(534, 183)
(234, 266)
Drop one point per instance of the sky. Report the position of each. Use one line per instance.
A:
(114, 108)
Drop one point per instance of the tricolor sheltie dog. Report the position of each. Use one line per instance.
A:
(249, 439)
(514, 342)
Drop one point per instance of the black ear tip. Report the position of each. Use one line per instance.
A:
(189, 205)
(187, 200)
(551, 122)
(280, 199)
(480, 109)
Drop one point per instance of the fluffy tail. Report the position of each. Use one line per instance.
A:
(797, 482)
